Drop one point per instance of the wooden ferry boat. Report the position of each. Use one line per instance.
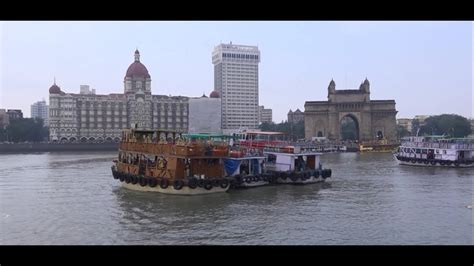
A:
(171, 162)
(433, 151)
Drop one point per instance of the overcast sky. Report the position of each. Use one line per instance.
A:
(426, 67)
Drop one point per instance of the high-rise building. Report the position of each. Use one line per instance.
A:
(40, 110)
(265, 115)
(236, 80)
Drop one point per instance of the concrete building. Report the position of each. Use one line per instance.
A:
(406, 123)
(14, 114)
(205, 114)
(91, 117)
(4, 119)
(295, 117)
(265, 115)
(40, 110)
(236, 80)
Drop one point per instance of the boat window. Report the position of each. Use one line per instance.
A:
(418, 151)
(271, 158)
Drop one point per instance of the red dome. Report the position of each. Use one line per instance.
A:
(137, 69)
(55, 89)
(214, 94)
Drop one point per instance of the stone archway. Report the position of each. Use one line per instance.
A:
(349, 128)
(375, 119)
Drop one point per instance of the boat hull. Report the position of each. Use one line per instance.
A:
(310, 180)
(432, 164)
(253, 184)
(185, 190)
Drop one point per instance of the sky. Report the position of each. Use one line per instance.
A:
(426, 67)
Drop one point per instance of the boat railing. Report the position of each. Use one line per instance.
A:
(183, 148)
(440, 145)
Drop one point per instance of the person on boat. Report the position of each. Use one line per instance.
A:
(299, 164)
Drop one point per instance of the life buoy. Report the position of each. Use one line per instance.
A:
(178, 184)
(433, 162)
(442, 163)
(134, 180)
(224, 183)
(192, 183)
(293, 177)
(122, 177)
(128, 179)
(248, 179)
(215, 182)
(456, 163)
(152, 182)
(413, 161)
(207, 185)
(449, 163)
(316, 174)
(164, 183)
(283, 176)
(419, 161)
(426, 162)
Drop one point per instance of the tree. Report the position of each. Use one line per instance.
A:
(26, 129)
(295, 131)
(447, 124)
(402, 132)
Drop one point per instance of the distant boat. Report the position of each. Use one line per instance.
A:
(436, 151)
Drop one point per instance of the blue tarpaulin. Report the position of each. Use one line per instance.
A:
(231, 165)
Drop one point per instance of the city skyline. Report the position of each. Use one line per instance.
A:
(426, 67)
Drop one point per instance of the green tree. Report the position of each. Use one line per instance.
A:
(26, 129)
(295, 131)
(446, 124)
(402, 132)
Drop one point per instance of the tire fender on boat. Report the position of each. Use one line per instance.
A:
(224, 183)
(152, 182)
(207, 184)
(192, 183)
(164, 183)
(178, 184)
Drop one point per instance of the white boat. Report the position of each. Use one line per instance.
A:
(290, 165)
(436, 151)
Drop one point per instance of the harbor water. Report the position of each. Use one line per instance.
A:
(71, 198)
